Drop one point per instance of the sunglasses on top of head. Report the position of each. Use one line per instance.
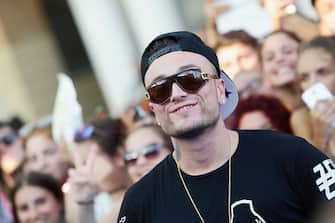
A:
(190, 81)
(88, 132)
(8, 139)
(149, 151)
(84, 133)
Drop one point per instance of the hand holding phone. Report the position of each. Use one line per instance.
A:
(316, 93)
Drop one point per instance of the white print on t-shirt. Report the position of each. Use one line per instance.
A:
(243, 206)
(123, 219)
(326, 181)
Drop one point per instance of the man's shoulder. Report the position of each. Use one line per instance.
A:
(279, 144)
(141, 196)
(274, 142)
(269, 136)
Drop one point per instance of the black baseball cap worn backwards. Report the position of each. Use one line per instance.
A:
(187, 41)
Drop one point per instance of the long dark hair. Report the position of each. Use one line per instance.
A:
(109, 134)
(37, 179)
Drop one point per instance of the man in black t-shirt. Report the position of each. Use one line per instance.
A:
(217, 174)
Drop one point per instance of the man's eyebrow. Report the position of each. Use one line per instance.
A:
(188, 66)
(159, 77)
(182, 68)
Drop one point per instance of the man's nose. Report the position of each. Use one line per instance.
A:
(177, 92)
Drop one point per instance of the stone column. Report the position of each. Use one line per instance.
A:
(151, 17)
(110, 48)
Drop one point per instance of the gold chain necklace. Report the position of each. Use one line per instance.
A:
(189, 194)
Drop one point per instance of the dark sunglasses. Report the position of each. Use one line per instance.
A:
(149, 151)
(8, 139)
(189, 81)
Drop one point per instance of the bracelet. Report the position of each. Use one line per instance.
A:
(90, 202)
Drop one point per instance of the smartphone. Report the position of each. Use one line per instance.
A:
(316, 93)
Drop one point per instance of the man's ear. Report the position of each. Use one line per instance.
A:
(151, 106)
(149, 102)
(221, 91)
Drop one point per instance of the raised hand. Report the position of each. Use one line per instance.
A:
(323, 120)
(214, 8)
(81, 177)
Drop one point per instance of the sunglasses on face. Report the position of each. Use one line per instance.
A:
(189, 81)
(8, 139)
(149, 151)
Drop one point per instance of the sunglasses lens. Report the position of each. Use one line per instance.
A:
(151, 154)
(130, 162)
(190, 81)
(160, 91)
(151, 150)
(130, 158)
(9, 139)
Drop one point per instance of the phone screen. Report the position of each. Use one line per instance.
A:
(316, 93)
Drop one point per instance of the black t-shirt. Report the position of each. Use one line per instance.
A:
(275, 178)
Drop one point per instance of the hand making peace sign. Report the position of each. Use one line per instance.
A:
(81, 178)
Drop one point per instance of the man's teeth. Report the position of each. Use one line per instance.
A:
(184, 108)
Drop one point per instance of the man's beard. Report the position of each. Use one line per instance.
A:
(195, 131)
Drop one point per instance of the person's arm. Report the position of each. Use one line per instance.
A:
(77, 213)
(86, 213)
(301, 26)
(330, 151)
(113, 215)
(83, 188)
(212, 10)
(300, 123)
(323, 117)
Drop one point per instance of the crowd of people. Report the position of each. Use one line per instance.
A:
(203, 171)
